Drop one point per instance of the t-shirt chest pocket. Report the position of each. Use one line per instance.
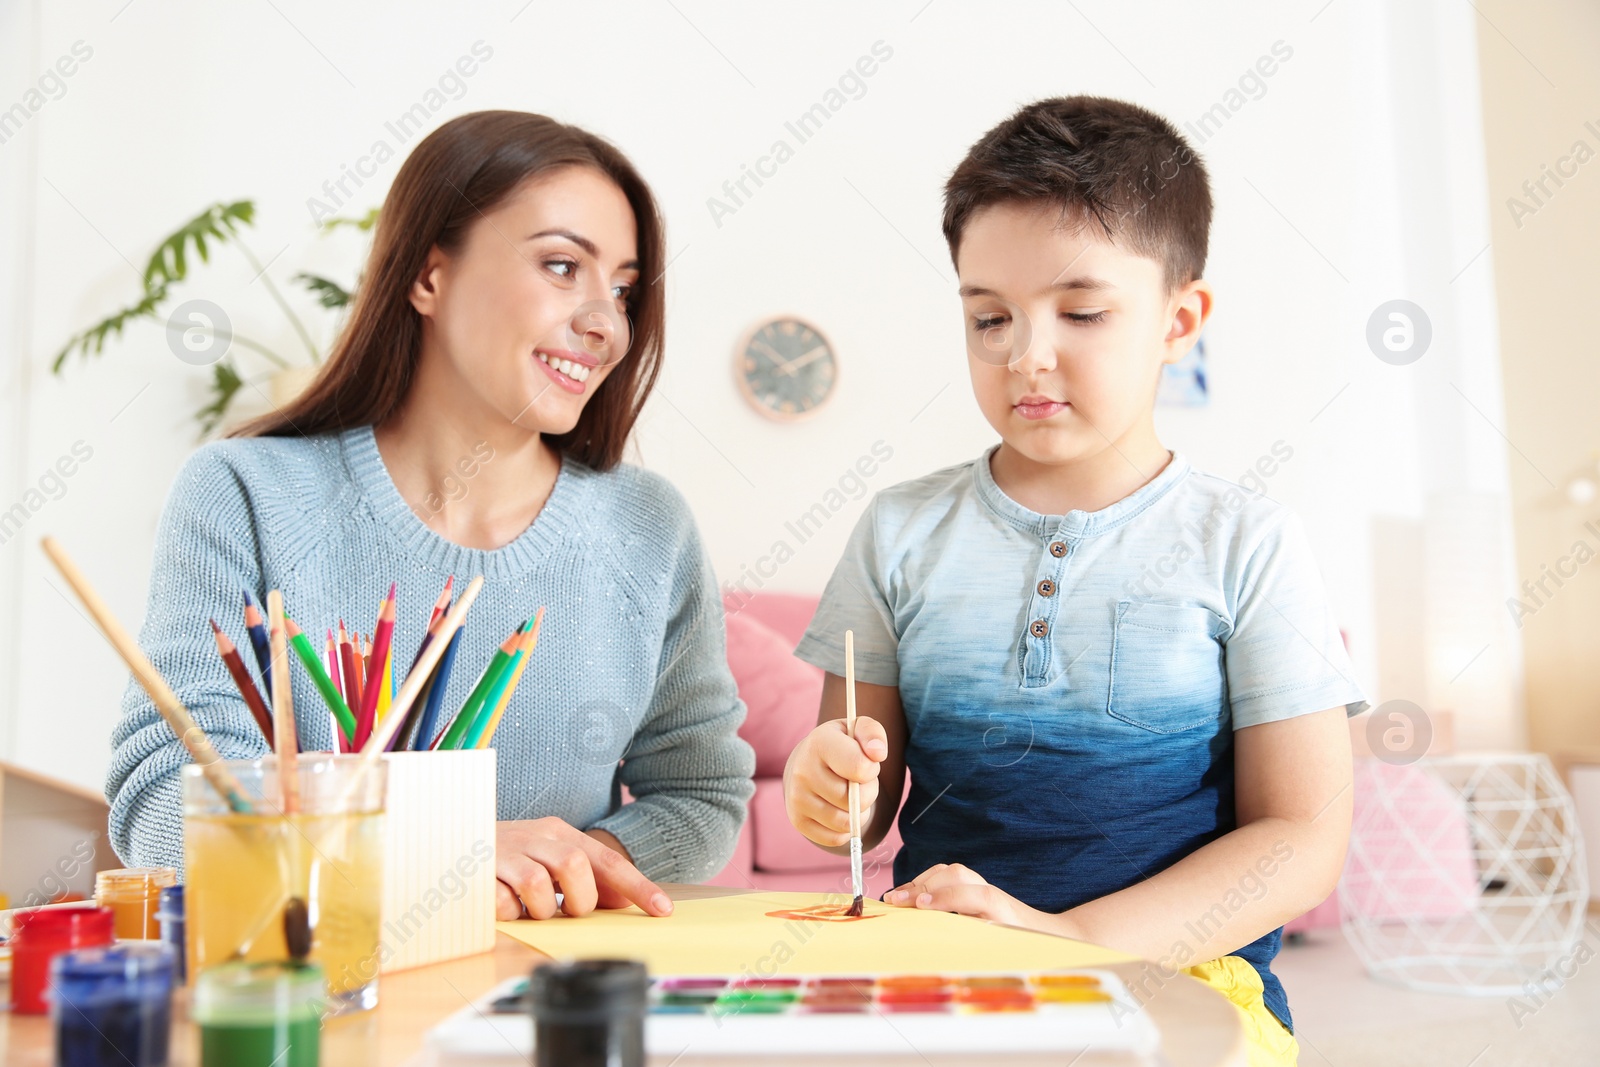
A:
(1167, 671)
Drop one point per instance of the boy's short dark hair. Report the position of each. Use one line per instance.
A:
(1126, 168)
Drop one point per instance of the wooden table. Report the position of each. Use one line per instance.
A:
(1199, 1027)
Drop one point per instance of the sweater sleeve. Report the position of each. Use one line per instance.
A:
(687, 767)
(205, 556)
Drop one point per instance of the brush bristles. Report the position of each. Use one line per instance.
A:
(856, 908)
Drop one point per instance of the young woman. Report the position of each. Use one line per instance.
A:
(471, 420)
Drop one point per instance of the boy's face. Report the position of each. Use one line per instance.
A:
(1067, 332)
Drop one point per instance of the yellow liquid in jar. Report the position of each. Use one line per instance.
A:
(243, 869)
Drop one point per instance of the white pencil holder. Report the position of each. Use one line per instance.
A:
(438, 858)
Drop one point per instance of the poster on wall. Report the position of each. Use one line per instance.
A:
(1183, 384)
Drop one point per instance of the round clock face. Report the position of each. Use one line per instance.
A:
(785, 368)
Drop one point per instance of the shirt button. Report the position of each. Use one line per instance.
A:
(1047, 588)
(1058, 549)
(1039, 628)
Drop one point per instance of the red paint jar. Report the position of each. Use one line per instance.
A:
(39, 936)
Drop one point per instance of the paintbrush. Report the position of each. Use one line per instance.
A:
(285, 743)
(856, 882)
(171, 709)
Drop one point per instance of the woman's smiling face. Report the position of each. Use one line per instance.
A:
(531, 312)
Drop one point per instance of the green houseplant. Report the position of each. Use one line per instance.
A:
(169, 266)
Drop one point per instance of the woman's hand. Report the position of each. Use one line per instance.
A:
(953, 887)
(816, 782)
(534, 859)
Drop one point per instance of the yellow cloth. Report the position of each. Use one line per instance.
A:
(1268, 1044)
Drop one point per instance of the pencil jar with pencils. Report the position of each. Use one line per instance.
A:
(289, 881)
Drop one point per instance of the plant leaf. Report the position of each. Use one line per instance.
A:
(330, 294)
(225, 383)
(365, 223)
(169, 262)
(93, 340)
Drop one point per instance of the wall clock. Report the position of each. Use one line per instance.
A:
(785, 368)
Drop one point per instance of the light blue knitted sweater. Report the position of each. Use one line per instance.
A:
(630, 667)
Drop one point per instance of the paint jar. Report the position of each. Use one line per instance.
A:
(112, 1005)
(170, 916)
(39, 936)
(259, 1014)
(588, 1013)
(134, 895)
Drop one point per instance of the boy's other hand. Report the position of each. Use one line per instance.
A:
(816, 783)
(953, 887)
(534, 859)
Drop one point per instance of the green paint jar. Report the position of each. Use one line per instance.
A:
(259, 1014)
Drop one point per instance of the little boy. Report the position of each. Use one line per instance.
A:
(1113, 678)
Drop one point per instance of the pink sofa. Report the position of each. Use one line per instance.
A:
(782, 694)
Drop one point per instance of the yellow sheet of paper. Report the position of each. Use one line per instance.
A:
(732, 935)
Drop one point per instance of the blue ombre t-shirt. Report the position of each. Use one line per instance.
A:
(1072, 683)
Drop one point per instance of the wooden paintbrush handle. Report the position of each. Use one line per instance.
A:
(166, 701)
(285, 741)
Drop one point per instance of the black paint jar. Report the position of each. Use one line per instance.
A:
(588, 1013)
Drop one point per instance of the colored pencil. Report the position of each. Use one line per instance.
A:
(363, 655)
(319, 677)
(483, 732)
(427, 639)
(242, 681)
(285, 745)
(491, 701)
(856, 880)
(258, 641)
(171, 709)
(437, 685)
(480, 692)
(352, 678)
(408, 693)
(441, 605)
(386, 686)
(377, 675)
(401, 741)
(333, 663)
(341, 742)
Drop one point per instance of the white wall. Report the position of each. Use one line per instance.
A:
(18, 51)
(1326, 206)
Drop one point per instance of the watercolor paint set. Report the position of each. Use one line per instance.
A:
(747, 1017)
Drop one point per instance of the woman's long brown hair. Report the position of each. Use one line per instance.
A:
(458, 173)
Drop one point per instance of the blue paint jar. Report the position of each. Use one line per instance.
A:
(112, 1005)
(170, 916)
